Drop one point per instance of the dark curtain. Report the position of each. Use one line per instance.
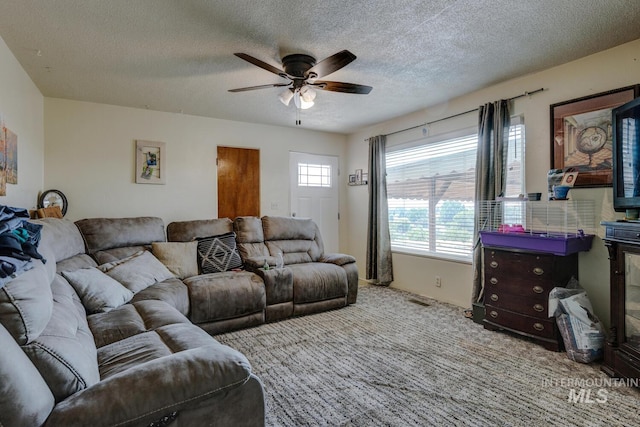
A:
(379, 264)
(493, 139)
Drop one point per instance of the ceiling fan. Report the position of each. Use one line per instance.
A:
(302, 71)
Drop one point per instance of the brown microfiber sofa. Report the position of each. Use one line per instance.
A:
(145, 361)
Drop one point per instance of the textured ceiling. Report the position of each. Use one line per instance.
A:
(177, 55)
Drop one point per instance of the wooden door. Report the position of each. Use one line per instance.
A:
(238, 182)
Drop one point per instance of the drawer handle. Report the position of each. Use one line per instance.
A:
(538, 289)
(538, 326)
(538, 271)
(493, 281)
(539, 308)
(494, 297)
(493, 314)
(494, 264)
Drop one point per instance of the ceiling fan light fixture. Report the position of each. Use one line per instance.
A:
(300, 102)
(285, 97)
(307, 94)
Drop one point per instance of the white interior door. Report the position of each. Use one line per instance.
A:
(314, 193)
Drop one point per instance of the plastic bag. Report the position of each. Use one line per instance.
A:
(581, 331)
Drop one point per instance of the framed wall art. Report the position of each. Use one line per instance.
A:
(581, 135)
(150, 162)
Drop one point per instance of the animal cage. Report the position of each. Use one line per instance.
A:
(557, 226)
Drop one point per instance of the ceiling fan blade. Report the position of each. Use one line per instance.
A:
(331, 64)
(244, 89)
(261, 64)
(341, 87)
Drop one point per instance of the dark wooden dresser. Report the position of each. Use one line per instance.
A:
(516, 292)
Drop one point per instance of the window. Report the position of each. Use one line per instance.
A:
(431, 189)
(314, 175)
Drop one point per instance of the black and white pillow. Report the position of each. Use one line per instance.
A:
(218, 253)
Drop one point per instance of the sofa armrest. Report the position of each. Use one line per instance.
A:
(338, 259)
(152, 390)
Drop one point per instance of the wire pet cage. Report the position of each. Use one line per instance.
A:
(559, 227)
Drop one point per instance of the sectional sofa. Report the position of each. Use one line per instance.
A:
(116, 327)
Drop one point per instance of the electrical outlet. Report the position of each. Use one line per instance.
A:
(438, 282)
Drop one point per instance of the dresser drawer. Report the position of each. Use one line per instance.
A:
(545, 328)
(515, 285)
(517, 264)
(632, 236)
(534, 306)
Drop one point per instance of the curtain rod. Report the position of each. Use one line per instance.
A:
(457, 115)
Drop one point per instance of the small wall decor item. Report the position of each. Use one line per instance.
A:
(11, 141)
(365, 178)
(352, 179)
(53, 198)
(150, 162)
(358, 176)
(3, 162)
(581, 135)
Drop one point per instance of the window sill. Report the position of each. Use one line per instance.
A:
(439, 257)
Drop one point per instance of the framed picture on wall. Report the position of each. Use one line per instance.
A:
(150, 162)
(581, 135)
(358, 176)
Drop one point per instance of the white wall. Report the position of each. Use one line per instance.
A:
(611, 69)
(21, 106)
(90, 156)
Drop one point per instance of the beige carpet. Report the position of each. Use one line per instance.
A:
(387, 361)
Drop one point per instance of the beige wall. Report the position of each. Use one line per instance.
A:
(21, 106)
(607, 70)
(90, 152)
(89, 155)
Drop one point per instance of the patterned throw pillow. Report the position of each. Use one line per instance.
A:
(218, 253)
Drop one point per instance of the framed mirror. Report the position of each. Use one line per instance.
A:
(50, 198)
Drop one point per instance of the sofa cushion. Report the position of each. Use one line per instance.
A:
(181, 258)
(298, 239)
(75, 262)
(294, 251)
(117, 254)
(65, 352)
(98, 292)
(338, 259)
(107, 233)
(137, 272)
(172, 291)
(62, 236)
(317, 282)
(186, 231)
(26, 303)
(250, 237)
(218, 253)
(132, 319)
(139, 349)
(225, 295)
(26, 398)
